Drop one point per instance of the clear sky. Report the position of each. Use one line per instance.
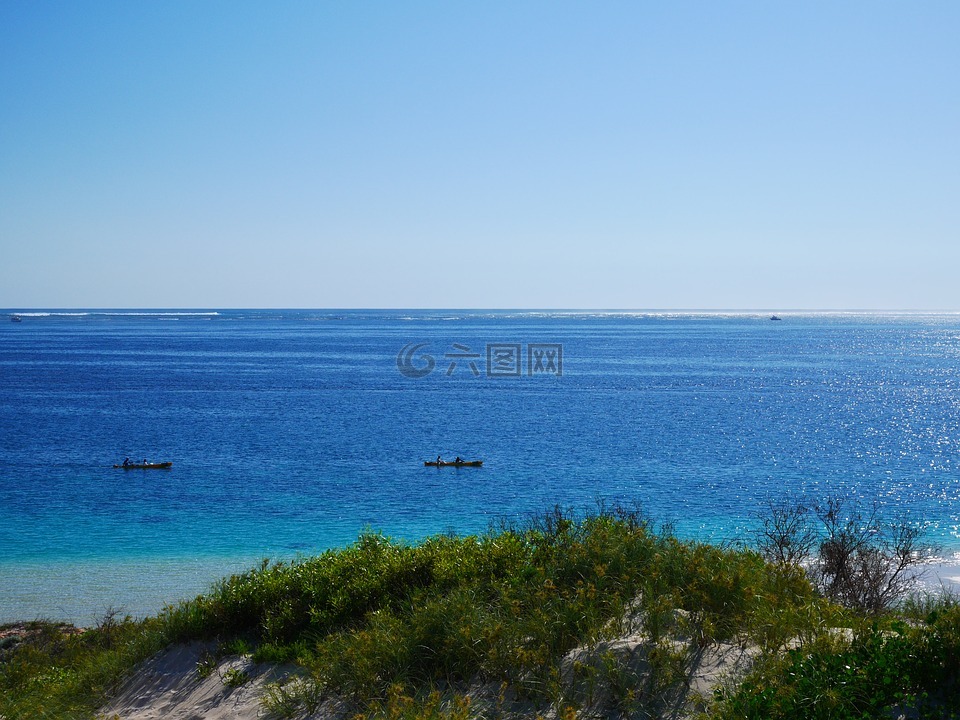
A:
(480, 154)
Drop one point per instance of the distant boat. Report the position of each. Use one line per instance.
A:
(145, 466)
(775, 317)
(16, 318)
(454, 463)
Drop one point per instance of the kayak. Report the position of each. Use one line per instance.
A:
(145, 466)
(462, 463)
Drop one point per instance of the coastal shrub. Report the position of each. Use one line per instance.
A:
(58, 671)
(887, 669)
(569, 581)
(940, 654)
(784, 617)
(334, 591)
(429, 705)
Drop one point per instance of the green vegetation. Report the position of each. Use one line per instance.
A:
(51, 670)
(527, 620)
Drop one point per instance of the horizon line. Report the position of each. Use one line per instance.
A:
(334, 308)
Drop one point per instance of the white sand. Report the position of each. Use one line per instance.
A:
(168, 687)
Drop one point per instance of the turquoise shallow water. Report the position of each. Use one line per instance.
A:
(293, 431)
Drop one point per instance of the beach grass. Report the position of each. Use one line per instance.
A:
(523, 620)
(54, 670)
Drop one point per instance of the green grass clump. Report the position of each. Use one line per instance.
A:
(886, 670)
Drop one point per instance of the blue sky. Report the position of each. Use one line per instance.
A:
(440, 154)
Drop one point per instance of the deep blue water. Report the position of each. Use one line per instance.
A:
(294, 431)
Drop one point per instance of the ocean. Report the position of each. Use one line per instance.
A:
(294, 431)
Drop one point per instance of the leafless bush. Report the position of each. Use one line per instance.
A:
(852, 556)
(786, 535)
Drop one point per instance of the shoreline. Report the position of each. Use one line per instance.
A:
(943, 574)
(82, 593)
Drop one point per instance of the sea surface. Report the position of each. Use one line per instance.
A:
(292, 432)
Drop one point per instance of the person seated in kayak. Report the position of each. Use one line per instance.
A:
(439, 461)
(458, 460)
(126, 461)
